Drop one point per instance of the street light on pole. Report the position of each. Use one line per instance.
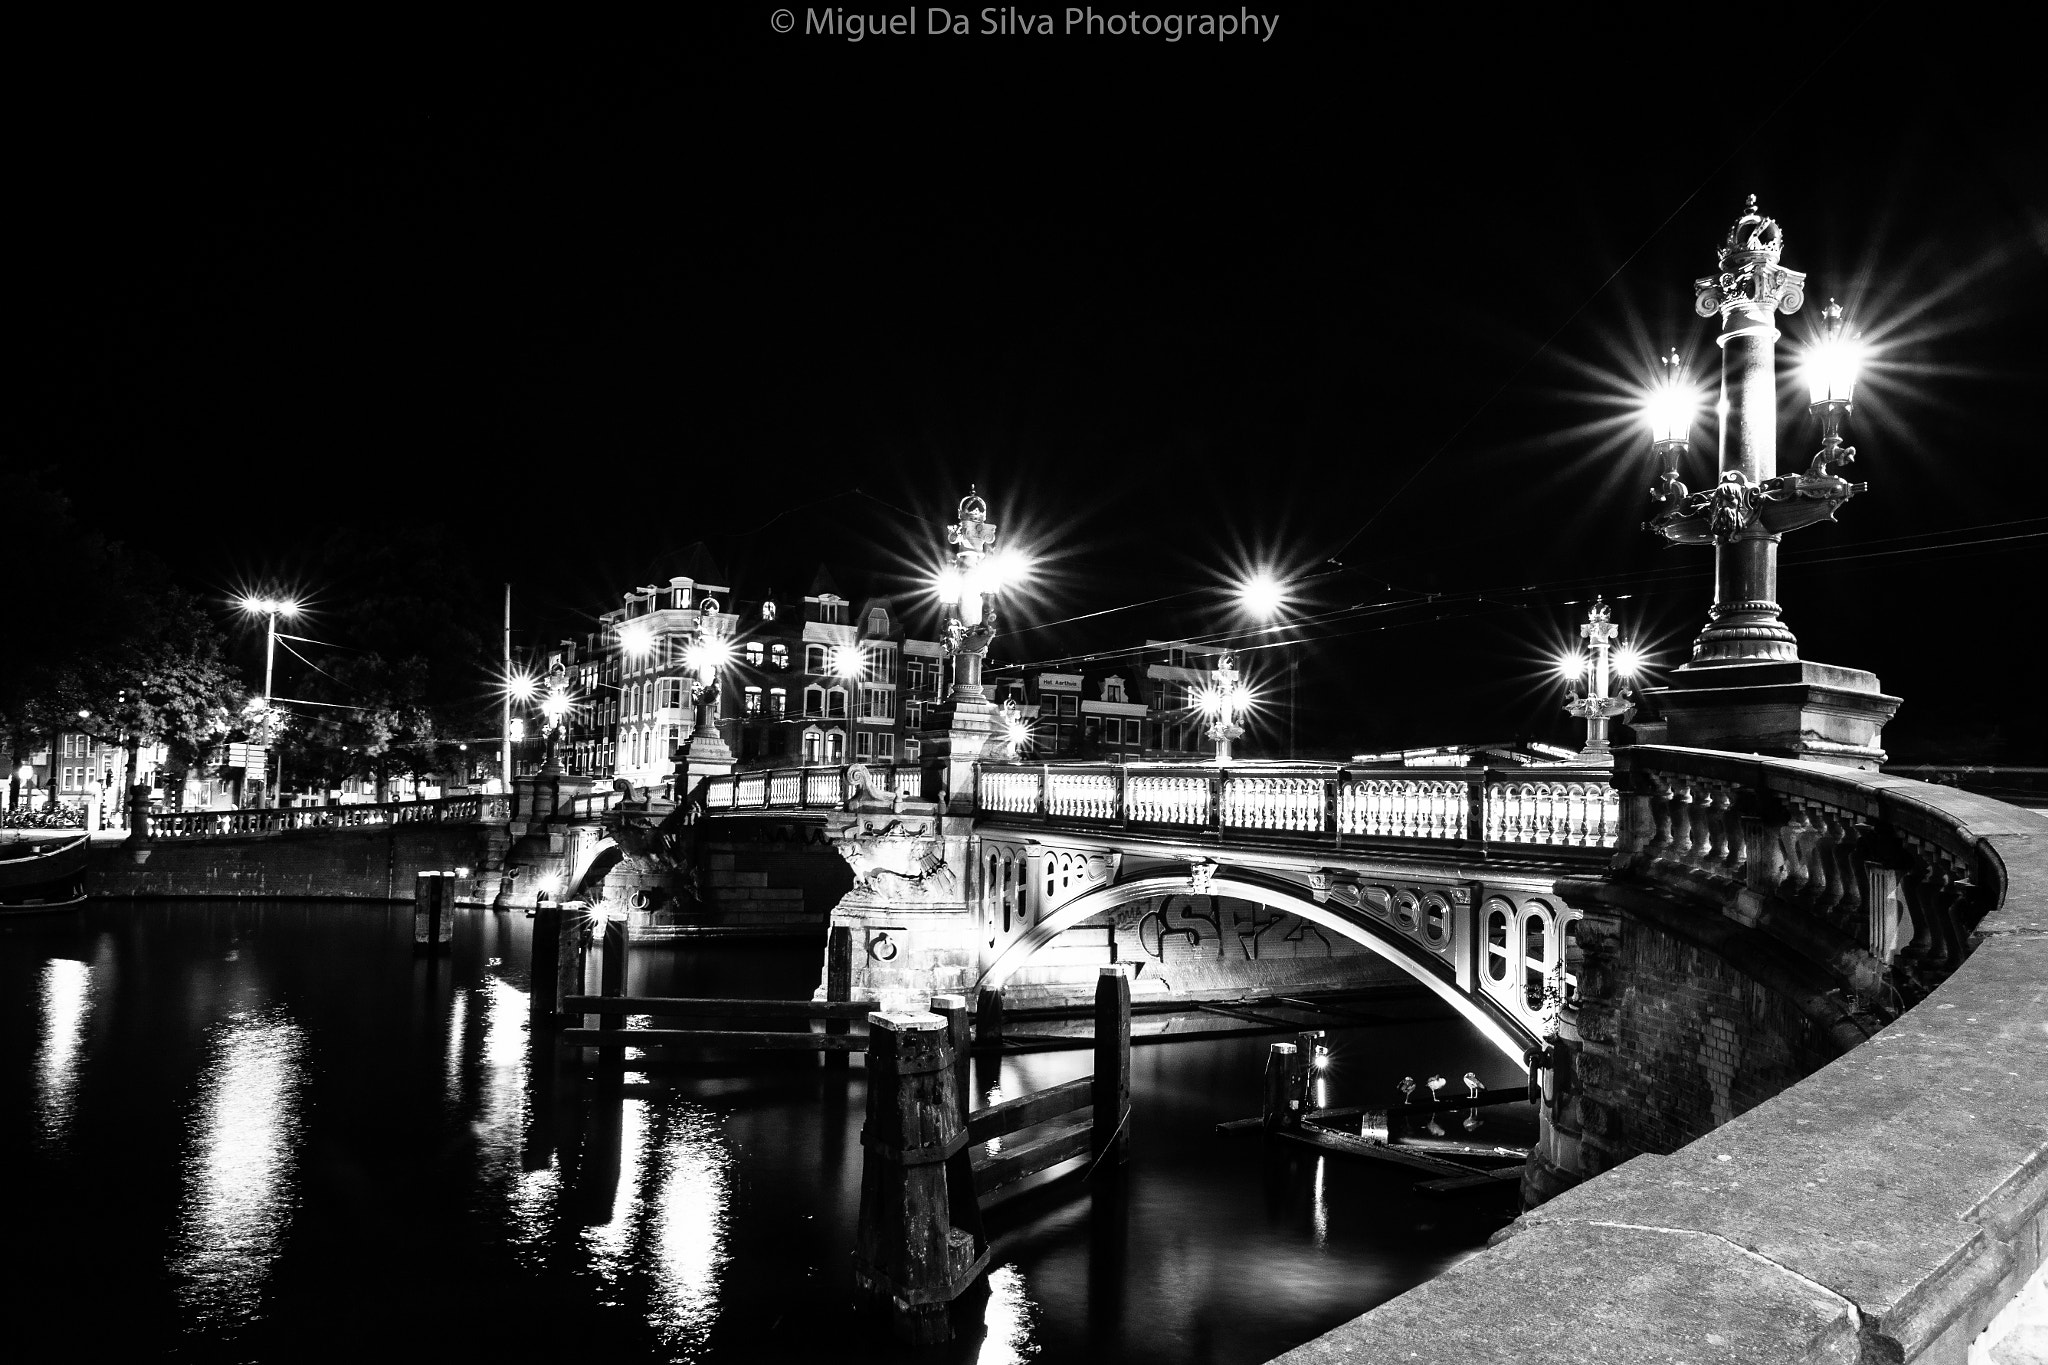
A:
(270, 608)
(1596, 681)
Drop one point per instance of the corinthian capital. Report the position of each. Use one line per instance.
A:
(1750, 279)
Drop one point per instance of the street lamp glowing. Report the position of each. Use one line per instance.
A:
(706, 654)
(1262, 594)
(1572, 666)
(555, 706)
(1225, 701)
(517, 729)
(636, 640)
(846, 661)
(1628, 661)
(1671, 405)
(521, 686)
(1833, 362)
(1603, 699)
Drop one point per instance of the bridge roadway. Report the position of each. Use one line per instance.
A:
(1448, 874)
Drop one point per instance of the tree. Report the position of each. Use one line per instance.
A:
(163, 680)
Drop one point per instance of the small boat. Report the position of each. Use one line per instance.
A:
(47, 875)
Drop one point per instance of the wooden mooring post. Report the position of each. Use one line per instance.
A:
(433, 912)
(920, 1242)
(988, 1019)
(546, 1001)
(1110, 1134)
(838, 983)
(569, 970)
(612, 982)
(1279, 1109)
(953, 1009)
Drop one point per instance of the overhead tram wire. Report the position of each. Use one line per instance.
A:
(1641, 583)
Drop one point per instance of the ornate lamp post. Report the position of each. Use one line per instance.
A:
(555, 706)
(1604, 697)
(1012, 732)
(962, 724)
(707, 653)
(1746, 687)
(1225, 701)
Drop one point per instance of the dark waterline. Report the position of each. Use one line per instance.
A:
(268, 1132)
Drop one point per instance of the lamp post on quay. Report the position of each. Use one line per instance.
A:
(555, 707)
(1746, 688)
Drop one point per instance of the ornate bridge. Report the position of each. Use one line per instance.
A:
(1447, 874)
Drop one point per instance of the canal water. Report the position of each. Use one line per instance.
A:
(235, 1132)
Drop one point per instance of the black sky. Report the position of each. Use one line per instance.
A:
(579, 298)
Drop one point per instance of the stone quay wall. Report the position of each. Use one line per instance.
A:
(1890, 1207)
(366, 863)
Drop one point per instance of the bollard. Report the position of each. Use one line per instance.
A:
(1110, 1138)
(988, 1018)
(546, 971)
(569, 961)
(612, 982)
(433, 912)
(838, 985)
(953, 1009)
(1277, 1109)
(920, 1242)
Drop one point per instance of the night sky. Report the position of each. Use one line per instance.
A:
(1374, 292)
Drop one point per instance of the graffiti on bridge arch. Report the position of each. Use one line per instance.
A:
(1184, 919)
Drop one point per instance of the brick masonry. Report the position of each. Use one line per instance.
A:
(1678, 1042)
(375, 864)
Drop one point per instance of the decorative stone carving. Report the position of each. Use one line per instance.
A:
(866, 797)
(1751, 279)
(903, 860)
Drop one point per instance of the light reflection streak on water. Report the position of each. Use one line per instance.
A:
(238, 1180)
(692, 1210)
(501, 1104)
(1008, 1320)
(1320, 1207)
(458, 1019)
(67, 997)
(679, 1231)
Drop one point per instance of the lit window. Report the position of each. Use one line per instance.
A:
(754, 653)
(767, 611)
(779, 655)
(753, 701)
(778, 701)
(835, 747)
(814, 744)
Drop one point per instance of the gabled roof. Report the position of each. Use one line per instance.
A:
(822, 583)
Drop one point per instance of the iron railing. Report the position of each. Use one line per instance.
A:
(198, 824)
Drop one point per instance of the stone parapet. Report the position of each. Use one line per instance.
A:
(1888, 1207)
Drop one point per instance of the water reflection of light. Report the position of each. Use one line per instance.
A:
(458, 1019)
(1008, 1319)
(1321, 1206)
(692, 1213)
(501, 1108)
(238, 1179)
(67, 996)
(608, 1241)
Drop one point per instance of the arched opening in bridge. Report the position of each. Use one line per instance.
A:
(603, 858)
(1508, 1037)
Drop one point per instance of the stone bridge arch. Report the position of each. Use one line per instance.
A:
(593, 867)
(1498, 1028)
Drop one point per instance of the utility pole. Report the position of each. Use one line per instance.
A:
(505, 703)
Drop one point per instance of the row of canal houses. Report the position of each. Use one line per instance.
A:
(833, 674)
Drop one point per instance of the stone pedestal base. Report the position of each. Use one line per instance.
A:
(911, 931)
(1785, 709)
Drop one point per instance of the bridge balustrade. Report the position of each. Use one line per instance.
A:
(199, 824)
(815, 788)
(1476, 805)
